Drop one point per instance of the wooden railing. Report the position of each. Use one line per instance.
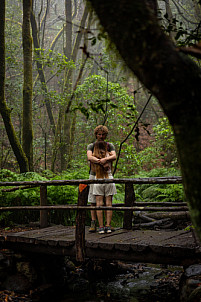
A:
(128, 206)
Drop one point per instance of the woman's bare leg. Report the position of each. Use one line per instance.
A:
(108, 212)
(99, 203)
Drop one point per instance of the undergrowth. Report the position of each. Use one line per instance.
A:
(56, 195)
(61, 195)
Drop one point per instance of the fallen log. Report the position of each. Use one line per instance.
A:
(143, 217)
(182, 215)
(153, 223)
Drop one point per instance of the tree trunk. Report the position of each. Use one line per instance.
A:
(66, 137)
(68, 86)
(43, 22)
(41, 72)
(65, 144)
(72, 140)
(170, 75)
(68, 28)
(5, 111)
(153, 5)
(27, 131)
(57, 138)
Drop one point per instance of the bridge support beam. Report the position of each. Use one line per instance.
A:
(129, 202)
(43, 202)
(80, 223)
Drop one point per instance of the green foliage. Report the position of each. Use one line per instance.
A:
(160, 172)
(164, 142)
(156, 192)
(185, 25)
(19, 197)
(150, 192)
(170, 193)
(96, 100)
(161, 151)
(189, 228)
(149, 158)
(97, 96)
(26, 197)
(66, 194)
(56, 64)
(160, 192)
(129, 161)
(164, 133)
(48, 174)
(53, 60)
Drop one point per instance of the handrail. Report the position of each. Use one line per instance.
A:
(145, 180)
(76, 207)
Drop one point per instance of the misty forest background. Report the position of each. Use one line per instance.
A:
(74, 81)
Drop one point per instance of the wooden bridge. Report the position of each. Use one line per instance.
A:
(180, 247)
(165, 247)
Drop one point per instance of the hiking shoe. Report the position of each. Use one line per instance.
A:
(101, 230)
(108, 229)
(92, 228)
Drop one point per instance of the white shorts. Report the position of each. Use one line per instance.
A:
(104, 189)
(91, 197)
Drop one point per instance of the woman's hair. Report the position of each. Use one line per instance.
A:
(102, 128)
(100, 150)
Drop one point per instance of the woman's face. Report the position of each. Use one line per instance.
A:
(101, 136)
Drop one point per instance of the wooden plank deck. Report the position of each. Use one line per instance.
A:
(165, 246)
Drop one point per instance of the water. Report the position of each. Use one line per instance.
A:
(62, 280)
(141, 284)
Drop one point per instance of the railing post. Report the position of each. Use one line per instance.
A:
(80, 223)
(43, 202)
(129, 202)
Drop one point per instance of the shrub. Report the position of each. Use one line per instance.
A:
(160, 192)
(26, 197)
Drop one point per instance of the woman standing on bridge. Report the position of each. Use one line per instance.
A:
(101, 133)
(102, 171)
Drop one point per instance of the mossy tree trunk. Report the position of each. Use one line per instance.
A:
(5, 111)
(68, 29)
(65, 145)
(57, 138)
(170, 75)
(72, 139)
(27, 131)
(41, 72)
